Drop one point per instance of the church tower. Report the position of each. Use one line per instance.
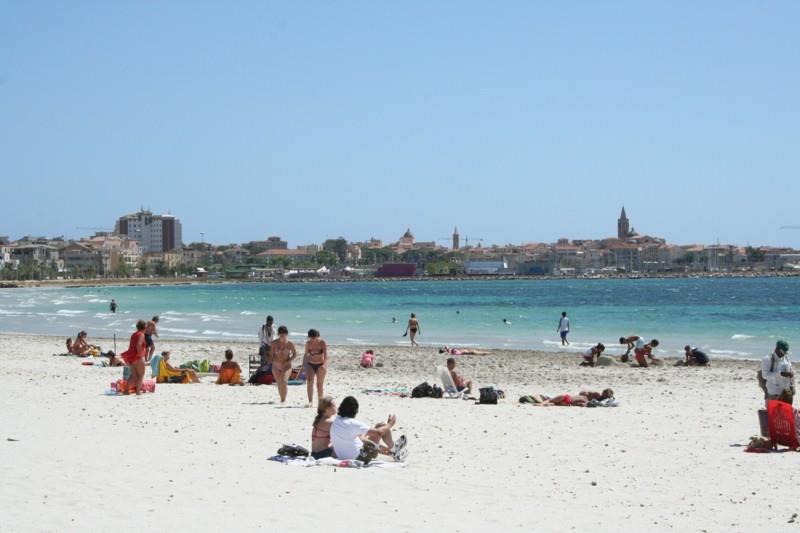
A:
(623, 226)
(456, 239)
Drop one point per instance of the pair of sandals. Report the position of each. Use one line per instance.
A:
(370, 450)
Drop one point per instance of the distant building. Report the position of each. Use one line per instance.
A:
(272, 243)
(456, 239)
(154, 233)
(397, 270)
(623, 226)
(475, 268)
(80, 259)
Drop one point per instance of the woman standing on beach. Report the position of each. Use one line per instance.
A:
(281, 354)
(134, 358)
(315, 362)
(413, 327)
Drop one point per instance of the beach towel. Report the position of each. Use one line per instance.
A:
(783, 421)
(117, 387)
(330, 461)
(401, 392)
(155, 361)
(164, 374)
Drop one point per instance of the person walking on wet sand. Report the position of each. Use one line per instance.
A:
(563, 328)
(413, 328)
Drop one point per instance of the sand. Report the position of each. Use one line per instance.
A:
(193, 457)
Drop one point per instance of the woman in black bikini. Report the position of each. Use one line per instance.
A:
(413, 327)
(315, 362)
(281, 354)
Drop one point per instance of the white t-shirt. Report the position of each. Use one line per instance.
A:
(638, 344)
(775, 382)
(563, 324)
(344, 437)
(588, 354)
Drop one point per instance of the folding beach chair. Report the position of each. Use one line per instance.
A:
(782, 419)
(449, 387)
(254, 363)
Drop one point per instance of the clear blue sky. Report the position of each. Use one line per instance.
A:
(515, 121)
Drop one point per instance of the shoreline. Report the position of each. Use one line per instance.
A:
(424, 350)
(155, 282)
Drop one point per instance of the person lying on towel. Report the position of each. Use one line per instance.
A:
(169, 374)
(230, 373)
(578, 400)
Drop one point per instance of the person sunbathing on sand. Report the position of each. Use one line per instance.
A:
(321, 429)
(230, 373)
(352, 439)
(463, 351)
(579, 400)
(114, 360)
(170, 374)
(80, 346)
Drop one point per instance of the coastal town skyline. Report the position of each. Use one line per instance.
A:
(143, 244)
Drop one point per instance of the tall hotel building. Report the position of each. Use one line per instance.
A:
(154, 233)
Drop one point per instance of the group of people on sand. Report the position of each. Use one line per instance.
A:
(278, 354)
(337, 433)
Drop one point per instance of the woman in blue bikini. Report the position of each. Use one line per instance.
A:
(315, 362)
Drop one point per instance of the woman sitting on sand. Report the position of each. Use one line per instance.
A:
(579, 400)
(281, 354)
(80, 346)
(169, 374)
(463, 351)
(230, 373)
(321, 429)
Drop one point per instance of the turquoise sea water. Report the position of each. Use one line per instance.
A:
(726, 317)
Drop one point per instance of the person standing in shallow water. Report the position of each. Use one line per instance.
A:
(113, 306)
(413, 328)
(563, 328)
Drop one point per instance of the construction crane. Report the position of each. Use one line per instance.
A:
(93, 228)
(789, 227)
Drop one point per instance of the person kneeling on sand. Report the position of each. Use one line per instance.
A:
(694, 357)
(646, 352)
(170, 374)
(591, 355)
(230, 373)
(321, 429)
(352, 439)
(459, 381)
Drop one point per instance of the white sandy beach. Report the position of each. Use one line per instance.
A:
(194, 457)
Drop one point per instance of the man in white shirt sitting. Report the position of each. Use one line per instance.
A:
(776, 370)
(352, 439)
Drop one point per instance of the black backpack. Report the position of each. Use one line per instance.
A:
(292, 450)
(423, 390)
(488, 396)
(436, 391)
